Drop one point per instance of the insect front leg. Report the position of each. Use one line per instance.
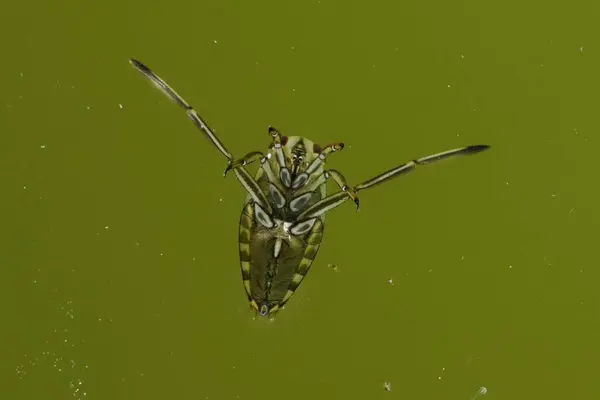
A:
(335, 200)
(332, 201)
(304, 177)
(278, 143)
(241, 173)
(242, 162)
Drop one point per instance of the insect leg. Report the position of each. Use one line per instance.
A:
(191, 113)
(304, 177)
(241, 173)
(247, 159)
(328, 149)
(278, 143)
(409, 166)
(334, 200)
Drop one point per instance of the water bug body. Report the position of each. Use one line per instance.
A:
(282, 221)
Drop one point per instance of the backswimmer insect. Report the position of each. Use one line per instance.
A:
(282, 221)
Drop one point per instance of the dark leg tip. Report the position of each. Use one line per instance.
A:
(138, 65)
(227, 169)
(477, 148)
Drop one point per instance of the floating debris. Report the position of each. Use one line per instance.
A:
(387, 386)
(482, 390)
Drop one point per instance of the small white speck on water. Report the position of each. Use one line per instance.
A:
(215, 42)
(221, 199)
(25, 187)
(510, 266)
(106, 227)
(553, 195)
(21, 74)
(430, 270)
(506, 183)
(443, 369)
(391, 282)
(482, 390)
(161, 254)
(581, 49)
(387, 386)
(448, 85)
(88, 107)
(542, 65)
(43, 146)
(293, 90)
(293, 48)
(193, 258)
(120, 105)
(462, 56)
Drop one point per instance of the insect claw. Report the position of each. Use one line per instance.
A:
(352, 194)
(227, 169)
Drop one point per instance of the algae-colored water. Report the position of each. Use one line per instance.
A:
(118, 248)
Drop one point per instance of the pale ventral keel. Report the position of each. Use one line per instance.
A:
(281, 226)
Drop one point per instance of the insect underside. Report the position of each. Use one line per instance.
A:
(282, 221)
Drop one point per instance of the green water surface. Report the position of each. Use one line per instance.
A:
(118, 249)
